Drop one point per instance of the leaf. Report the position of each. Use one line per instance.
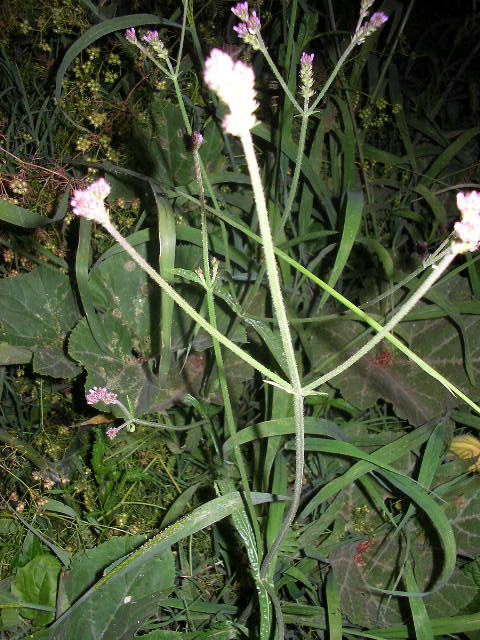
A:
(421, 621)
(117, 369)
(105, 610)
(178, 507)
(96, 32)
(378, 567)
(13, 214)
(393, 377)
(222, 631)
(14, 355)
(36, 583)
(281, 426)
(53, 362)
(162, 146)
(87, 565)
(127, 307)
(462, 508)
(443, 159)
(37, 312)
(353, 217)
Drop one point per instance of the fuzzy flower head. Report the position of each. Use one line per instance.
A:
(241, 11)
(89, 203)
(157, 45)
(366, 29)
(197, 140)
(468, 228)
(306, 75)
(233, 82)
(249, 27)
(112, 433)
(130, 35)
(100, 394)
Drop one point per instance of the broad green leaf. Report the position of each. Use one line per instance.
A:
(462, 506)
(393, 377)
(36, 583)
(38, 310)
(162, 149)
(127, 589)
(378, 567)
(10, 354)
(53, 362)
(87, 565)
(117, 369)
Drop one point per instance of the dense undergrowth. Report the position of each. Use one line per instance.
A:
(159, 530)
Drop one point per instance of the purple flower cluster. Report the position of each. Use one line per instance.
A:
(307, 59)
(366, 29)
(100, 394)
(249, 27)
(130, 35)
(197, 140)
(151, 38)
(112, 433)
(306, 75)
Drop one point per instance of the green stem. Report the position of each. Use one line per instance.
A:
(289, 353)
(276, 73)
(398, 317)
(270, 263)
(189, 310)
(343, 301)
(219, 359)
(182, 37)
(333, 75)
(298, 168)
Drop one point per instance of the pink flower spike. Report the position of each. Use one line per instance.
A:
(241, 11)
(468, 228)
(150, 36)
(241, 30)
(89, 203)
(377, 20)
(253, 23)
(307, 59)
(112, 433)
(130, 35)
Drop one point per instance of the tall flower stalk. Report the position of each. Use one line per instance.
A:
(233, 82)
